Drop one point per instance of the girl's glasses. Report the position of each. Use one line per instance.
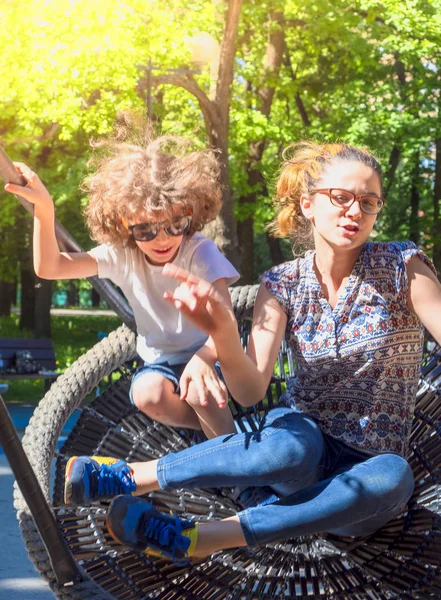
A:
(146, 232)
(370, 203)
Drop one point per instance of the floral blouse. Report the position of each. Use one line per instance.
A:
(357, 365)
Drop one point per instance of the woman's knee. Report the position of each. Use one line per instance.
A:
(403, 481)
(287, 448)
(390, 478)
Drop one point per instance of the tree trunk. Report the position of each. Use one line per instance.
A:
(245, 235)
(265, 92)
(436, 228)
(394, 159)
(216, 117)
(6, 298)
(27, 275)
(302, 111)
(6, 292)
(226, 230)
(14, 292)
(275, 249)
(27, 306)
(95, 298)
(43, 301)
(223, 230)
(414, 229)
(72, 293)
(298, 99)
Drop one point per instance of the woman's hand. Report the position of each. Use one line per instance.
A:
(201, 303)
(206, 383)
(34, 191)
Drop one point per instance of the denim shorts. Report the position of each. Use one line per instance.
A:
(171, 372)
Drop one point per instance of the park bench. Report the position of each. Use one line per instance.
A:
(27, 358)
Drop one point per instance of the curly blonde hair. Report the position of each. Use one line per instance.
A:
(303, 165)
(137, 174)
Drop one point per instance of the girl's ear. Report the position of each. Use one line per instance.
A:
(306, 205)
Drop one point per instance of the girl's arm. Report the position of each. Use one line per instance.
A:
(49, 262)
(247, 375)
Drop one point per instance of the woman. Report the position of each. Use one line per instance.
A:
(353, 313)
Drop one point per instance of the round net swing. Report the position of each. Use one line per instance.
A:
(401, 560)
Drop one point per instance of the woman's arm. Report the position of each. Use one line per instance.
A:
(208, 350)
(49, 262)
(247, 375)
(201, 368)
(249, 381)
(425, 296)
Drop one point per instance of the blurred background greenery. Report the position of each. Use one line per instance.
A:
(246, 77)
(72, 336)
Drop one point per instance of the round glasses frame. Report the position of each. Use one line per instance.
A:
(349, 203)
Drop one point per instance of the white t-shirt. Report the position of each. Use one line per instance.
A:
(164, 334)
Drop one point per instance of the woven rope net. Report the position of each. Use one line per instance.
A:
(402, 560)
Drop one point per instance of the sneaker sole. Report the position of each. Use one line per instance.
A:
(67, 481)
(109, 527)
(107, 460)
(149, 551)
(110, 530)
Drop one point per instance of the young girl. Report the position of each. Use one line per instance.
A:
(147, 203)
(353, 312)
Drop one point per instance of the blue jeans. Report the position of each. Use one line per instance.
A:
(323, 485)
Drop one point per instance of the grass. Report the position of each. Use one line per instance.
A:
(72, 336)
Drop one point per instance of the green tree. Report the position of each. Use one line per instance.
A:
(364, 71)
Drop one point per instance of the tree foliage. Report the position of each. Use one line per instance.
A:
(363, 71)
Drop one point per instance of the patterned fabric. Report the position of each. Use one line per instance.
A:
(357, 366)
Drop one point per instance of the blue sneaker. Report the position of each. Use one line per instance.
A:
(198, 437)
(253, 496)
(91, 478)
(134, 522)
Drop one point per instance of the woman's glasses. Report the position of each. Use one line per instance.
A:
(146, 232)
(369, 203)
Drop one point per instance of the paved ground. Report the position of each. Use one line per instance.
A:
(18, 578)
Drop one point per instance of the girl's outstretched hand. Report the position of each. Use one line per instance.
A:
(34, 191)
(200, 302)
